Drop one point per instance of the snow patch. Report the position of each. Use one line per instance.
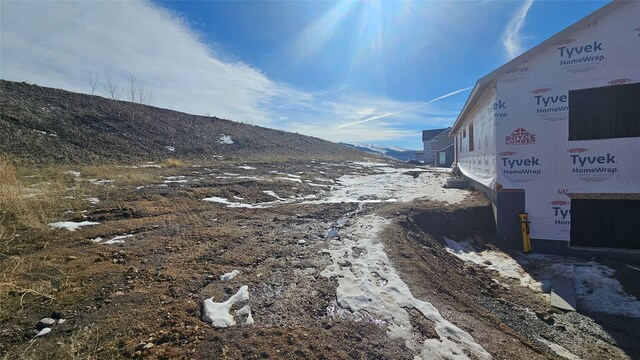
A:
(246, 310)
(230, 275)
(290, 179)
(231, 204)
(595, 289)
(392, 184)
(504, 264)
(225, 139)
(170, 148)
(246, 167)
(116, 240)
(273, 194)
(70, 225)
(44, 332)
(317, 185)
(218, 313)
(100, 181)
(370, 287)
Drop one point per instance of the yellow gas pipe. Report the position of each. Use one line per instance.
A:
(524, 225)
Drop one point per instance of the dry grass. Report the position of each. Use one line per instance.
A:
(29, 202)
(125, 176)
(21, 283)
(31, 198)
(173, 163)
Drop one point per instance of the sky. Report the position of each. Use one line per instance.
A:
(374, 72)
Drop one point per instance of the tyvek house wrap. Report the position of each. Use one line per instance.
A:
(531, 121)
(480, 164)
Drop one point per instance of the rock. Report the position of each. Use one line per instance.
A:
(61, 321)
(45, 323)
(57, 315)
(118, 293)
(149, 345)
(140, 346)
(69, 258)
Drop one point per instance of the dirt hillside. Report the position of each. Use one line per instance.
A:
(45, 125)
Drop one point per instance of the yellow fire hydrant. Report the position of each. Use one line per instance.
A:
(524, 225)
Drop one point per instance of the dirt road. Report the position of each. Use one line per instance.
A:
(339, 260)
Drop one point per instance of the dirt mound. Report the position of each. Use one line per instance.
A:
(506, 318)
(45, 125)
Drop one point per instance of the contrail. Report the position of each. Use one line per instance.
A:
(385, 115)
(449, 94)
(512, 38)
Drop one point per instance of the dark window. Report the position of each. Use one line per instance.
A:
(471, 137)
(605, 112)
(605, 223)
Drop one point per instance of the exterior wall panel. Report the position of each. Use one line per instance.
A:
(533, 149)
(529, 110)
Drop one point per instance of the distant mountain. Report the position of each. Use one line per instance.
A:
(394, 152)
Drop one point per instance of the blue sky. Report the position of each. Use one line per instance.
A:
(376, 71)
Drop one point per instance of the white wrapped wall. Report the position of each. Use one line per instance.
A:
(480, 164)
(531, 122)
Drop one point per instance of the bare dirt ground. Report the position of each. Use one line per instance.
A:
(334, 270)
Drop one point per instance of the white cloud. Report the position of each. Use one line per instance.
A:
(56, 43)
(512, 38)
(398, 121)
(371, 116)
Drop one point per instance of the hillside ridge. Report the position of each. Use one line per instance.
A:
(46, 125)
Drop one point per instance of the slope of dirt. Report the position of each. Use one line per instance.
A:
(44, 125)
(501, 314)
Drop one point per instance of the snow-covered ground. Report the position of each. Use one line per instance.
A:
(595, 289)
(387, 184)
(71, 225)
(391, 184)
(370, 288)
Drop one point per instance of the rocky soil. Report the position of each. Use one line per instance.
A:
(41, 125)
(316, 243)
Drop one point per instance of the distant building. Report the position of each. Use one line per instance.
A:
(427, 136)
(443, 149)
(555, 133)
(438, 147)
